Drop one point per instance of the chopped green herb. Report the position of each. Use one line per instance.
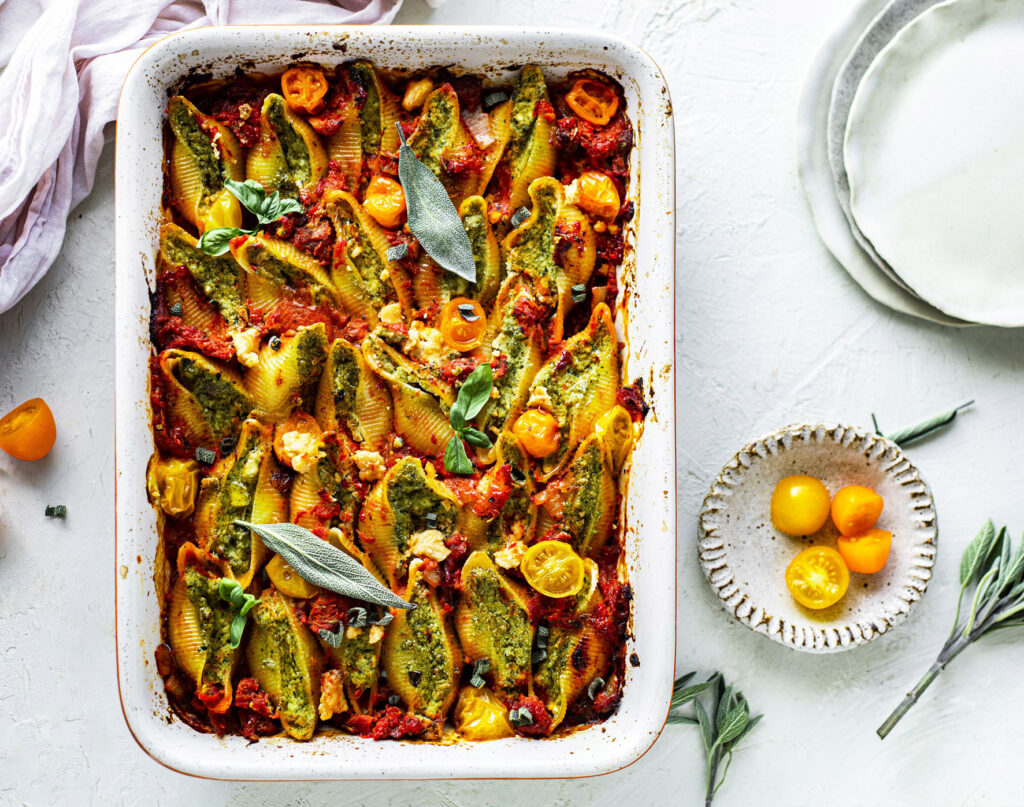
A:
(492, 99)
(468, 312)
(520, 717)
(398, 251)
(176, 310)
(538, 655)
(480, 668)
(579, 292)
(431, 520)
(356, 617)
(275, 343)
(595, 686)
(55, 511)
(521, 215)
(335, 638)
(394, 700)
(205, 456)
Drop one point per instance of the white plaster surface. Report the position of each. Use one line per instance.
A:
(770, 331)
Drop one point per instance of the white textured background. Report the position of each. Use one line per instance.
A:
(770, 331)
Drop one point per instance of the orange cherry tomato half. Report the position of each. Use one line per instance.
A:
(304, 88)
(463, 324)
(855, 509)
(799, 505)
(594, 101)
(817, 577)
(867, 553)
(385, 201)
(598, 195)
(28, 432)
(537, 430)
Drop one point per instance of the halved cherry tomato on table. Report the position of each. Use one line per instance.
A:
(304, 88)
(553, 569)
(817, 577)
(385, 201)
(537, 430)
(855, 509)
(800, 505)
(594, 101)
(463, 324)
(598, 195)
(28, 432)
(866, 553)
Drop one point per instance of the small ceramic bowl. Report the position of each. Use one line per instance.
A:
(744, 557)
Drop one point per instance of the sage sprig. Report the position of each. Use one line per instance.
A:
(723, 723)
(254, 198)
(241, 603)
(992, 573)
(433, 218)
(321, 564)
(473, 394)
(925, 427)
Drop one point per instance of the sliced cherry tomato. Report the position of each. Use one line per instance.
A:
(287, 580)
(304, 88)
(463, 324)
(817, 577)
(480, 715)
(867, 553)
(598, 195)
(855, 509)
(28, 432)
(799, 505)
(537, 430)
(594, 101)
(385, 201)
(553, 569)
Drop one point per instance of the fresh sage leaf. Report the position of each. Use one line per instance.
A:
(218, 240)
(976, 552)
(707, 733)
(397, 252)
(333, 638)
(433, 218)
(468, 312)
(492, 99)
(455, 458)
(579, 292)
(919, 430)
(321, 564)
(595, 686)
(356, 617)
(476, 438)
(733, 725)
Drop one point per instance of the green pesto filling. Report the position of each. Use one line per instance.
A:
(584, 508)
(411, 501)
(534, 250)
(296, 153)
(215, 618)
(282, 650)
(548, 677)
(344, 378)
(310, 354)
(218, 277)
(283, 273)
(359, 661)
(523, 119)
(435, 133)
(186, 128)
(222, 403)
(369, 115)
(428, 653)
(505, 625)
(235, 501)
(514, 343)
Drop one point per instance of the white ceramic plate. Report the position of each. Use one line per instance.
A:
(649, 508)
(934, 154)
(744, 558)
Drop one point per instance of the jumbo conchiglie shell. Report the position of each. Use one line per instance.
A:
(486, 253)
(353, 397)
(288, 157)
(346, 146)
(287, 378)
(501, 130)
(584, 498)
(284, 265)
(220, 278)
(376, 532)
(529, 153)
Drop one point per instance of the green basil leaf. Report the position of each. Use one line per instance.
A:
(457, 417)
(226, 588)
(433, 218)
(476, 391)
(250, 601)
(273, 207)
(321, 564)
(476, 438)
(236, 630)
(455, 459)
(976, 553)
(250, 193)
(218, 240)
(468, 312)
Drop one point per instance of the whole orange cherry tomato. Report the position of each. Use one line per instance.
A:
(28, 432)
(855, 509)
(304, 88)
(817, 577)
(385, 201)
(867, 553)
(598, 195)
(594, 101)
(537, 430)
(462, 324)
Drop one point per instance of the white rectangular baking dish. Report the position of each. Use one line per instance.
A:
(649, 503)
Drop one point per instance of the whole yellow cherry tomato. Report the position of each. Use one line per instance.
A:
(28, 432)
(855, 509)
(385, 202)
(537, 430)
(172, 484)
(225, 211)
(480, 715)
(287, 580)
(598, 195)
(867, 553)
(304, 88)
(817, 577)
(553, 569)
(800, 505)
(463, 324)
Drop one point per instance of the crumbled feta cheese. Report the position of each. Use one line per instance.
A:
(247, 343)
(426, 344)
(301, 451)
(376, 633)
(352, 632)
(539, 399)
(572, 192)
(332, 694)
(429, 544)
(511, 556)
(391, 314)
(370, 464)
(398, 442)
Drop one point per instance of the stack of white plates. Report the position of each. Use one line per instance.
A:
(912, 156)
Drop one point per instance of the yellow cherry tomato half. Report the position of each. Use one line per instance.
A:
(480, 715)
(598, 195)
(287, 580)
(800, 505)
(172, 484)
(28, 432)
(855, 509)
(304, 88)
(537, 430)
(867, 553)
(463, 324)
(553, 569)
(385, 202)
(817, 577)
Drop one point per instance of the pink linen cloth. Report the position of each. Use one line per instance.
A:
(61, 87)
